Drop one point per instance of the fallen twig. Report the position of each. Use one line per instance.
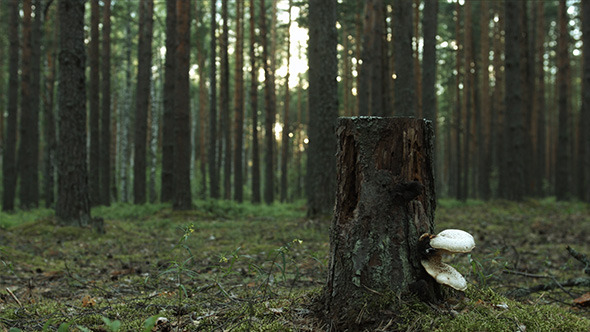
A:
(575, 282)
(525, 274)
(14, 297)
(581, 257)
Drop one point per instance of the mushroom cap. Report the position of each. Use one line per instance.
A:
(444, 273)
(453, 240)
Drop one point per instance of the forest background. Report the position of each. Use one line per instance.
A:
(508, 95)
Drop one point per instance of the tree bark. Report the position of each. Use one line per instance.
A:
(239, 103)
(73, 202)
(385, 200)
(285, 140)
(212, 154)
(144, 68)
(224, 124)
(167, 178)
(584, 151)
(270, 110)
(405, 82)
(323, 107)
(563, 180)
(105, 116)
(93, 103)
(254, 107)
(9, 170)
(182, 130)
(513, 185)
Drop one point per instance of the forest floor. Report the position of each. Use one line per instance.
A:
(230, 267)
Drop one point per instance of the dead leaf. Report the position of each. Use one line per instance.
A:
(88, 301)
(583, 300)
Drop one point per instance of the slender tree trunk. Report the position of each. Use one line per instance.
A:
(203, 102)
(105, 137)
(323, 107)
(485, 155)
(498, 105)
(429, 28)
(239, 103)
(385, 201)
(405, 82)
(540, 109)
(93, 103)
(285, 140)
(458, 125)
(583, 179)
(416, 55)
(125, 116)
(371, 94)
(270, 111)
(514, 127)
(213, 166)
(48, 112)
(9, 169)
(467, 99)
(26, 162)
(563, 180)
(73, 202)
(224, 124)
(182, 133)
(254, 107)
(144, 61)
(167, 178)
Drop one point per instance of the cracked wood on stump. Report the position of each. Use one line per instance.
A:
(385, 201)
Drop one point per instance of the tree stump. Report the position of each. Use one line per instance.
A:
(385, 201)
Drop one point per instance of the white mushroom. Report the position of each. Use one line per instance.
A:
(444, 273)
(453, 241)
(448, 241)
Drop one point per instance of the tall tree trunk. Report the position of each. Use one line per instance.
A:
(583, 179)
(26, 162)
(485, 150)
(167, 178)
(458, 128)
(224, 124)
(125, 115)
(144, 69)
(48, 111)
(323, 107)
(9, 170)
(182, 147)
(213, 166)
(467, 99)
(93, 103)
(371, 89)
(285, 140)
(429, 106)
(270, 111)
(528, 86)
(73, 202)
(514, 127)
(203, 101)
(105, 137)
(254, 107)
(405, 82)
(239, 103)
(385, 201)
(563, 179)
(540, 109)
(497, 141)
(416, 55)
(429, 28)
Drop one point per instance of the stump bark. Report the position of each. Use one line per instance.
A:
(385, 200)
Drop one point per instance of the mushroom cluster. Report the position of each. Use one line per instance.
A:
(449, 241)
